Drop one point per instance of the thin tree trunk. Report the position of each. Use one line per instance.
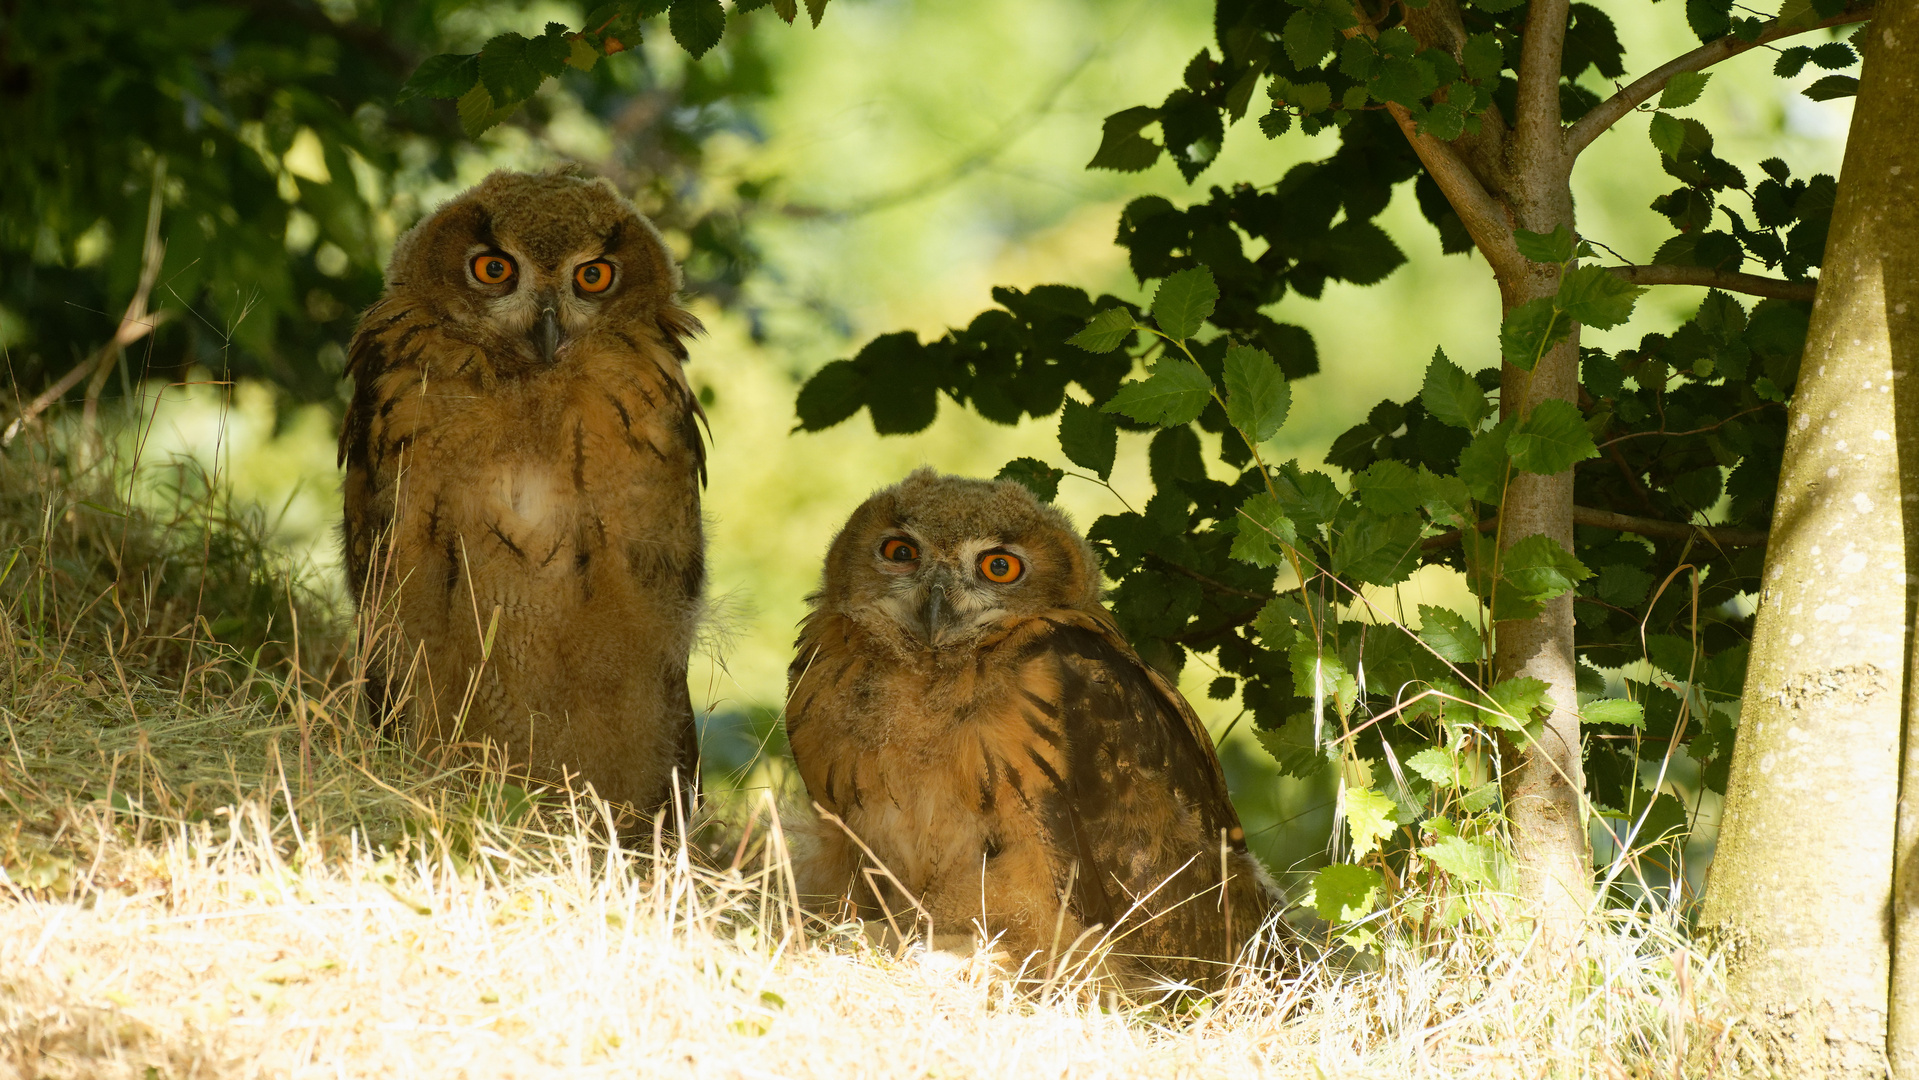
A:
(1802, 880)
(1544, 786)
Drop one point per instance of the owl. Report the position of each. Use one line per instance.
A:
(523, 478)
(992, 752)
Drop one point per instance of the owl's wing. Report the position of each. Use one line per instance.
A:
(1141, 803)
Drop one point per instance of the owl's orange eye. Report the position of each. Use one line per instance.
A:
(897, 550)
(1000, 567)
(492, 269)
(595, 276)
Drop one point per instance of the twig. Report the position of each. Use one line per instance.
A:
(1750, 284)
(1657, 528)
(1483, 217)
(1609, 112)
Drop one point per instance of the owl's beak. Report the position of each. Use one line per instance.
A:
(546, 333)
(936, 617)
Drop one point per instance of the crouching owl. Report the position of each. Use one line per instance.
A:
(967, 708)
(523, 475)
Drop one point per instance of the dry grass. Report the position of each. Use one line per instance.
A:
(222, 875)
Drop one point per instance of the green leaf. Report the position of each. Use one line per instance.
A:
(1450, 634)
(697, 24)
(1184, 301)
(1483, 464)
(1832, 86)
(507, 72)
(1309, 36)
(1537, 569)
(477, 111)
(1596, 297)
(1105, 331)
(1483, 56)
(448, 75)
(1623, 585)
(1378, 549)
(834, 393)
(1683, 89)
(1257, 394)
(1465, 860)
(1293, 747)
(1260, 527)
(1309, 498)
(1436, 765)
(1480, 797)
(1389, 487)
(1451, 395)
(1551, 438)
(1343, 892)
(1275, 623)
(1121, 146)
(580, 55)
(1513, 702)
(1089, 437)
(816, 10)
(1553, 247)
(1668, 134)
(1175, 393)
(1335, 683)
(1034, 475)
(1371, 817)
(1614, 711)
(1530, 330)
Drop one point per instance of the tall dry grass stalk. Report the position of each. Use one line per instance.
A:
(208, 868)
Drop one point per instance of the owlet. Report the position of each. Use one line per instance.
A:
(523, 477)
(964, 704)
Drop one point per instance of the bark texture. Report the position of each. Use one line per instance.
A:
(1801, 885)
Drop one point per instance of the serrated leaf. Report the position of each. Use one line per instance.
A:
(1668, 134)
(506, 72)
(816, 10)
(1335, 683)
(1184, 301)
(1483, 56)
(1614, 711)
(1623, 585)
(1389, 487)
(1378, 549)
(1088, 437)
(1105, 331)
(1275, 123)
(1551, 439)
(1370, 817)
(697, 24)
(1831, 87)
(1034, 475)
(1275, 624)
(1293, 747)
(448, 75)
(1513, 701)
(1451, 395)
(1257, 394)
(1483, 464)
(1121, 146)
(1683, 89)
(1553, 247)
(787, 10)
(1343, 892)
(1531, 329)
(1480, 797)
(1260, 527)
(1436, 765)
(1596, 297)
(1450, 634)
(1175, 393)
(1465, 860)
(1309, 36)
(1537, 569)
(477, 111)
(581, 55)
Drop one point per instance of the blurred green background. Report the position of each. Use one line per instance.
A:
(908, 156)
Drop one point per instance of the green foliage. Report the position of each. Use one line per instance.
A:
(1265, 572)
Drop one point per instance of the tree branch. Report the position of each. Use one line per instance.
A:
(1536, 117)
(1657, 528)
(1484, 219)
(1609, 112)
(1750, 284)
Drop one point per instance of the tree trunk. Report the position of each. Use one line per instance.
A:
(1544, 786)
(1882, 170)
(1802, 879)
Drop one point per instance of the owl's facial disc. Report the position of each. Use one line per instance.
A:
(945, 597)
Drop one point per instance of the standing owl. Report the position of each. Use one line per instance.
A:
(523, 477)
(968, 709)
